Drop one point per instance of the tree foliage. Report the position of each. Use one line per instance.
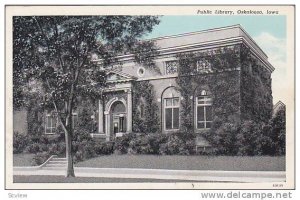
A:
(56, 52)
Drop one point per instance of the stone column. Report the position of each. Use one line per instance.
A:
(100, 122)
(129, 111)
(107, 125)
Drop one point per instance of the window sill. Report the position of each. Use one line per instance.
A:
(97, 135)
(50, 133)
(170, 130)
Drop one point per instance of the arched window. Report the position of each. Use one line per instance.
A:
(204, 115)
(171, 102)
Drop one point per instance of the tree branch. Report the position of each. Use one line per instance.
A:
(43, 33)
(56, 109)
(61, 63)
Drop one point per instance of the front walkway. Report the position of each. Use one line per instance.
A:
(189, 175)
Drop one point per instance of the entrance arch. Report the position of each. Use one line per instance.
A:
(116, 117)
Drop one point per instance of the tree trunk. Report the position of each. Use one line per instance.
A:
(68, 138)
(69, 155)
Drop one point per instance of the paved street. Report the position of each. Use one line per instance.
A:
(62, 179)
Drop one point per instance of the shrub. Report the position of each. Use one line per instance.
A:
(223, 137)
(58, 149)
(83, 144)
(122, 143)
(155, 143)
(78, 156)
(249, 139)
(139, 145)
(266, 145)
(104, 148)
(174, 143)
(40, 158)
(154, 140)
(33, 148)
(20, 142)
(278, 123)
(89, 150)
(177, 143)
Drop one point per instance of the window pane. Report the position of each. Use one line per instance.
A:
(168, 102)
(208, 100)
(54, 121)
(208, 113)
(168, 118)
(175, 118)
(48, 130)
(200, 100)
(208, 124)
(75, 119)
(48, 121)
(200, 113)
(200, 125)
(176, 101)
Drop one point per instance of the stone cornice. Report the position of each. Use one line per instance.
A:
(243, 38)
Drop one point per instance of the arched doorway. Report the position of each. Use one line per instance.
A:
(118, 118)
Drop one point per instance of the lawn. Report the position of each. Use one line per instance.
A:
(22, 159)
(177, 162)
(227, 163)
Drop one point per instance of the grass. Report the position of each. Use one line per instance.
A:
(227, 163)
(22, 159)
(62, 179)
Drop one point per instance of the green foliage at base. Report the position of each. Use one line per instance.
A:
(176, 143)
(20, 142)
(248, 138)
(83, 147)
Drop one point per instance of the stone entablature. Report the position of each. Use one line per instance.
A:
(205, 40)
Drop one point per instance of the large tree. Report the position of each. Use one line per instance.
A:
(53, 55)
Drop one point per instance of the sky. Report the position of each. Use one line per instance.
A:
(269, 32)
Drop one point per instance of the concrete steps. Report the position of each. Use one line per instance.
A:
(55, 163)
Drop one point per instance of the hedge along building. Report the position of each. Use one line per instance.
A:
(201, 81)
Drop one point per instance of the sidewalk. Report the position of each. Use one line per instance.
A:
(191, 175)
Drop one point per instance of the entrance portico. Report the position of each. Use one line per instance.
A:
(115, 113)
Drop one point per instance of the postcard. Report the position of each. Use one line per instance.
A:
(150, 97)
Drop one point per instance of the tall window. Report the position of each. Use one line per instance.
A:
(51, 121)
(204, 111)
(171, 113)
(75, 119)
